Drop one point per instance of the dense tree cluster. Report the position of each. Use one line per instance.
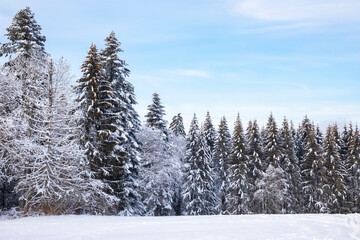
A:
(82, 149)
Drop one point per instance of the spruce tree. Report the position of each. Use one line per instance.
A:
(334, 184)
(125, 122)
(154, 117)
(301, 138)
(290, 164)
(254, 153)
(94, 99)
(209, 132)
(314, 175)
(272, 151)
(177, 126)
(353, 160)
(223, 147)
(237, 198)
(198, 195)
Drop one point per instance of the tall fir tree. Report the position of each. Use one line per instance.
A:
(272, 151)
(154, 117)
(94, 99)
(177, 126)
(290, 164)
(334, 184)
(237, 198)
(222, 153)
(124, 169)
(314, 175)
(198, 195)
(255, 154)
(353, 160)
(301, 138)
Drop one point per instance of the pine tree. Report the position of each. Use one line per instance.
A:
(353, 159)
(319, 136)
(94, 98)
(334, 184)
(198, 195)
(209, 133)
(237, 199)
(177, 126)
(314, 175)
(154, 118)
(254, 153)
(123, 170)
(223, 147)
(290, 165)
(301, 138)
(272, 151)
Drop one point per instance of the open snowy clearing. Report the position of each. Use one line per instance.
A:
(199, 227)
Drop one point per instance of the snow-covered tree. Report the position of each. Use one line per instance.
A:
(353, 160)
(314, 175)
(198, 194)
(271, 150)
(300, 141)
(154, 117)
(254, 153)
(10, 125)
(272, 191)
(237, 198)
(290, 164)
(161, 173)
(334, 183)
(223, 148)
(98, 136)
(126, 123)
(177, 126)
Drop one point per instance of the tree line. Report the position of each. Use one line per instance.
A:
(83, 150)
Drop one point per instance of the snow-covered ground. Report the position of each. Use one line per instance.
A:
(337, 227)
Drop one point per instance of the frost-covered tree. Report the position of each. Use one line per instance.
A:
(314, 175)
(27, 64)
(222, 153)
(177, 126)
(98, 136)
(254, 153)
(154, 117)
(353, 159)
(272, 191)
(198, 194)
(272, 150)
(290, 164)
(123, 170)
(300, 141)
(161, 173)
(334, 183)
(237, 198)
(209, 132)
(11, 124)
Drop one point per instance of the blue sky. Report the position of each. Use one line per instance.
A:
(254, 57)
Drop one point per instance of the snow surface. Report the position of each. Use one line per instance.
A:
(337, 227)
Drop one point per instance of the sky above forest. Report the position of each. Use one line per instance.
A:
(291, 58)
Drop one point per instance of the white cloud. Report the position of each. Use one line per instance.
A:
(188, 72)
(299, 10)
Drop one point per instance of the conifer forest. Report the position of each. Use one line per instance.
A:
(79, 147)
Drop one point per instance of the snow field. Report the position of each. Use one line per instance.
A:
(259, 227)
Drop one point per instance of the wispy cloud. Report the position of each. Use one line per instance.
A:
(188, 72)
(333, 11)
